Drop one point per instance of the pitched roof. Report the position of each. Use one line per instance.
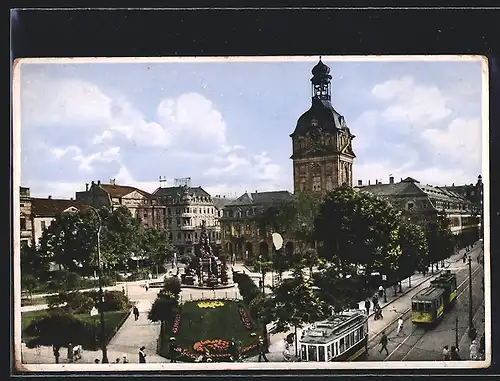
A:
(50, 207)
(179, 192)
(115, 190)
(259, 198)
(221, 202)
(244, 199)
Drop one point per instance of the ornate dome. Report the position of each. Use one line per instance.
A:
(320, 69)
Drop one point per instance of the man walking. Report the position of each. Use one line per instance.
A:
(400, 325)
(262, 350)
(173, 351)
(135, 310)
(473, 351)
(142, 355)
(367, 306)
(446, 353)
(383, 343)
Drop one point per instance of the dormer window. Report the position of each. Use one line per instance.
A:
(410, 205)
(314, 123)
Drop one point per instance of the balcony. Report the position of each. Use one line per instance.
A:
(188, 227)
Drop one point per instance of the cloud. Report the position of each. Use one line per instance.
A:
(411, 102)
(61, 152)
(459, 142)
(107, 156)
(103, 137)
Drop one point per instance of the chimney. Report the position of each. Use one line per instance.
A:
(50, 197)
(256, 191)
(86, 187)
(71, 199)
(92, 182)
(368, 182)
(360, 182)
(391, 180)
(98, 182)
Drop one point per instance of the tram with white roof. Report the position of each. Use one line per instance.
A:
(341, 337)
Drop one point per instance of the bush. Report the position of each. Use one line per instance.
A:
(247, 288)
(172, 285)
(113, 300)
(75, 302)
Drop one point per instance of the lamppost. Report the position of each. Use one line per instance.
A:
(101, 293)
(472, 329)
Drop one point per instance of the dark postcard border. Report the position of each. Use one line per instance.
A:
(248, 32)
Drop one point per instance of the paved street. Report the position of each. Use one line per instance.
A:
(414, 343)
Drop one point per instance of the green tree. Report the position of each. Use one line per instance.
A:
(172, 285)
(71, 241)
(440, 240)
(414, 248)
(33, 262)
(120, 236)
(164, 309)
(29, 283)
(156, 245)
(355, 227)
(294, 303)
(337, 291)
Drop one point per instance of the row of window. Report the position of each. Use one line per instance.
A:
(209, 210)
(188, 236)
(427, 306)
(335, 349)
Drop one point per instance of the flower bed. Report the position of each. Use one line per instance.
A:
(177, 321)
(211, 304)
(245, 318)
(213, 346)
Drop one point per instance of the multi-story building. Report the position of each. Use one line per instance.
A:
(185, 209)
(141, 204)
(322, 151)
(241, 225)
(471, 192)
(45, 210)
(423, 203)
(25, 216)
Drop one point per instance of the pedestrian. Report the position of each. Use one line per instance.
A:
(383, 343)
(97, 361)
(147, 284)
(136, 312)
(262, 350)
(150, 276)
(464, 258)
(142, 355)
(378, 312)
(446, 353)
(473, 351)
(56, 352)
(70, 352)
(117, 361)
(481, 346)
(375, 300)
(233, 259)
(380, 291)
(125, 359)
(367, 306)
(400, 325)
(123, 289)
(454, 356)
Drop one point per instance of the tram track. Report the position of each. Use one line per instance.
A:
(405, 314)
(419, 333)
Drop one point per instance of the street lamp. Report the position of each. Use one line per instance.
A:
(101, 294)
(472, 329)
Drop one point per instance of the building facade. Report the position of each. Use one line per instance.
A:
(141, 204)
(185, 209)
(422, 203)
(243, 232)
(25, 217)
(322, 150)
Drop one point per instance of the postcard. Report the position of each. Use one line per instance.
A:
(251, 213)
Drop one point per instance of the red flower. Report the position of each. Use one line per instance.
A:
(245, 319)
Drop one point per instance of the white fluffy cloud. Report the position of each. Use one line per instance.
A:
(411, 102)
(460, 141)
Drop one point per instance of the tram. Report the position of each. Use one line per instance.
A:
(430, 304)
(341, 337)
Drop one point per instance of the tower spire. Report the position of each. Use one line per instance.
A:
(321, 86)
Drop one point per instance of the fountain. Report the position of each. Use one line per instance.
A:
(206, 270)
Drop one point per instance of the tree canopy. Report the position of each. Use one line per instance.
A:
(414, 248)
(355, 227)
(440, 240)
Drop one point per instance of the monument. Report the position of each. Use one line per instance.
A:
(207, 270)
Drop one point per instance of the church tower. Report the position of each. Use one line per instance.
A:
(321, 143)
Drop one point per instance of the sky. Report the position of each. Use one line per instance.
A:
(226, 125)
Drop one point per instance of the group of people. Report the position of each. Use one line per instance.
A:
(476, 352)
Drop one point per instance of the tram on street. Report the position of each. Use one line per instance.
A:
(341, 337)
(430, 304)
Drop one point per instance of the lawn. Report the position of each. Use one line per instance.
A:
(224, 323)
(112, 320)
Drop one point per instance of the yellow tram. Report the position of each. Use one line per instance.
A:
(430, 304)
